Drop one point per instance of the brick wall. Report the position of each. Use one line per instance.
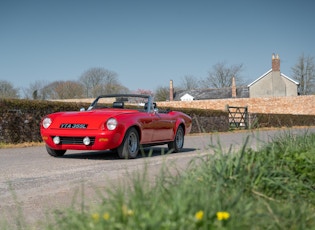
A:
(276, 105)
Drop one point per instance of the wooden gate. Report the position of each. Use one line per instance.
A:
(238, 117)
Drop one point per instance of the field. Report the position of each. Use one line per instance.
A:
(269, 188)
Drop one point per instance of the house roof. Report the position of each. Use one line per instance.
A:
(215, 93)
(269, 71)
(285, 76)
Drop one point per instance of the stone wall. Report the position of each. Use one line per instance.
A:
(272, 105)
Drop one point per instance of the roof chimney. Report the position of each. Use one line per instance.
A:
(171, 91)
(233, 87)
(275, 62)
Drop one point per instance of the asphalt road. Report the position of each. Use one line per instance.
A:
(32, 183)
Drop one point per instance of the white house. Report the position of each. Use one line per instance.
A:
(187, 97)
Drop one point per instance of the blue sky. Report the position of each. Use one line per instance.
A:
(147, 43)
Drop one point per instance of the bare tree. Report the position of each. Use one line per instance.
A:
(110, 82)
(116, 89)
(36, 90)
(48, 91)
(304, 73)
(98, 81)
(7, 90)
(221, 75)
(92, 79)
(69, 89)
(63, 90)
(189, 82)
(162, 94)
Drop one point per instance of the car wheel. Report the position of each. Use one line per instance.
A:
(130, 146)
(178, 143)
(54, 152)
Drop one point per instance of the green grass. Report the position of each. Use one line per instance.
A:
(272, 188)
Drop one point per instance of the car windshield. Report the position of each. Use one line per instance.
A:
(123, 101)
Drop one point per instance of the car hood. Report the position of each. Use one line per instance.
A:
(93, 119)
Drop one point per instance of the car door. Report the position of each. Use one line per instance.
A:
(163, 127)
(148, 123)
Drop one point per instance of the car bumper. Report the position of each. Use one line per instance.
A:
(99, 141)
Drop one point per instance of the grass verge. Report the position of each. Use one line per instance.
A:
(20, 145)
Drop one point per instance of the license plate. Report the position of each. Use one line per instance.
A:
(73, 126)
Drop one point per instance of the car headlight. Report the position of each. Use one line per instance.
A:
(47, 122)
(111, 124)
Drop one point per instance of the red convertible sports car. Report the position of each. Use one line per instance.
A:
(120, 122)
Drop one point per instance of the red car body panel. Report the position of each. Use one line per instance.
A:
(153, 128)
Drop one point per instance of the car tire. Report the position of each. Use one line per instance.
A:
(54, 152)
(129, 148)
(177, 144)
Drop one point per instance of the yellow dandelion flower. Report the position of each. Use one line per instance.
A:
(199, 215)
(95, 217)
(223, 215)
(106, 216)
(126, 211)
(130, 212)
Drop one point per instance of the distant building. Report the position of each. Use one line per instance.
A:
(210, 93)
(271, 84)
(186, 97)
(205, 94)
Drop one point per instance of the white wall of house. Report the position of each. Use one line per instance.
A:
(273, 83)
(187, 97)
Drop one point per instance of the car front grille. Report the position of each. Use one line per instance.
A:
(75, 140)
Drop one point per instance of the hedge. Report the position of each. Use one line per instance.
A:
(20, 119)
